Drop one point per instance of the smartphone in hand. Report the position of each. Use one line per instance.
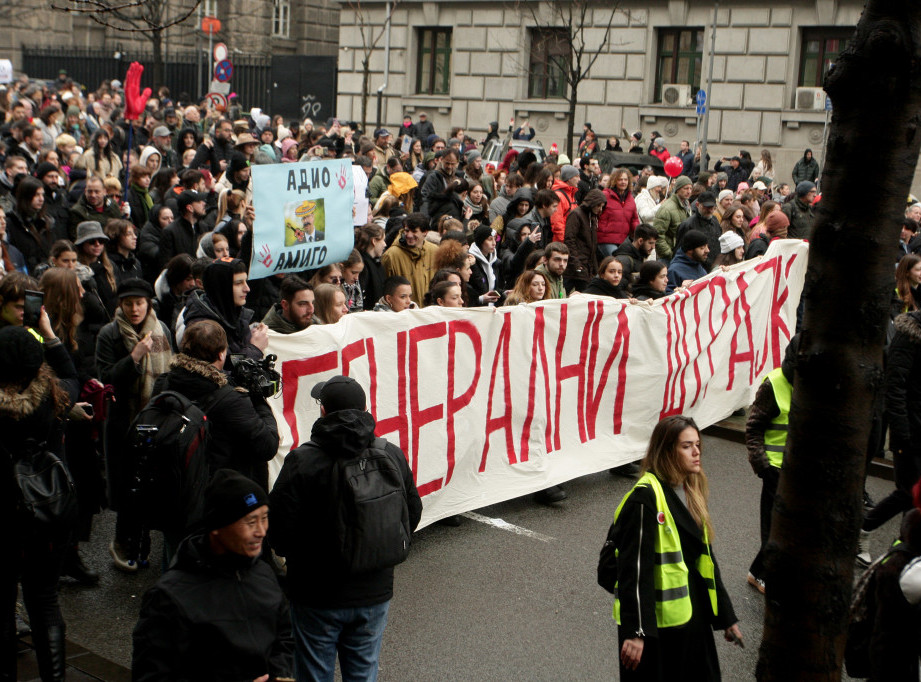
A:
(32, 310)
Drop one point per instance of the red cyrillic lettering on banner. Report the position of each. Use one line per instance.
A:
(458, 402)
(721, 284)
(564, 372)
(420, 417)
(292, 371)
(673, 337)
(503, 421)
(742, 321)
(777, 326)
(621, 345)
(398, 423)
(538, 354)
(350, 353)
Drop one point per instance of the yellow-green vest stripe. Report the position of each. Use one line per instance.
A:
(673, 598)
(775, 436)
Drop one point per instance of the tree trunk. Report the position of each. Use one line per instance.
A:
(365, 84)
(156, 39)
(875, 87)
(571, 123)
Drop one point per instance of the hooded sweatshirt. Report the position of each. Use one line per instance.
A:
(303, 529)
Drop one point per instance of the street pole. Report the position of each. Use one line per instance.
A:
(703, 144)
(198, 52)
(210, 42)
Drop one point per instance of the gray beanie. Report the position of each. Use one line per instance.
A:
(803, 188)
(659, 142)
(568, 172)
(682, 181)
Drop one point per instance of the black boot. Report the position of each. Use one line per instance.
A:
(75, 568)
(50, 653)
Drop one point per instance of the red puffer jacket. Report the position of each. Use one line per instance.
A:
(618, 219)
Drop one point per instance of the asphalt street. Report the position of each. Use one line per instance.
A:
(484, 602)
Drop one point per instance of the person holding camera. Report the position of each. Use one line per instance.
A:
(243, 433)
(223, 300)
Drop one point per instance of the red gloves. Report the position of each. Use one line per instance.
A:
(135, 100)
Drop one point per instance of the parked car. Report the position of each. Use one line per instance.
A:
(496, 150)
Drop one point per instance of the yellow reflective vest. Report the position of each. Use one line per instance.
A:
(775, 436)
(673, 598)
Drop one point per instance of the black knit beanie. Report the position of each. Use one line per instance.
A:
(229, 497)
(21, 355)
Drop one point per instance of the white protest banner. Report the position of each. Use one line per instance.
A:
(303, 216)
(494, 403)
(6, 71)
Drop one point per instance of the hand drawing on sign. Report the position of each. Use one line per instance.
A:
(265, 256)
(311, 106)
(305, 222)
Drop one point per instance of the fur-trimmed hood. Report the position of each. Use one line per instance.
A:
(203, 369)
(15, 404)
(909, 324)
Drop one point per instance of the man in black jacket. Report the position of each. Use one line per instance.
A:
(703, 220)
(243, 432)
(181, 235)
(632, 254)
(331, 607)
(218, 612)
(215, 154)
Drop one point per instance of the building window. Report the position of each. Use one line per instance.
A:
(433, 68)
(209, 7)
(821, 47)
(548, 63)
(679, 58)
(281, 18)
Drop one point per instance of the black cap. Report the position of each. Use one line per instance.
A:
(706, 199)
(693, 239)
(188, 197)
(21, 355)
(339, 393)
(229, 497)
(135, 286)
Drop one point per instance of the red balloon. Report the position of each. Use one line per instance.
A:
(673, 167)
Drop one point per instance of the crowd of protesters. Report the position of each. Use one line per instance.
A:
(142, 252)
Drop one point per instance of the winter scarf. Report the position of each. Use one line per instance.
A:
(152, 365)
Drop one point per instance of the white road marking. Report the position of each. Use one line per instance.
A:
(510, 527)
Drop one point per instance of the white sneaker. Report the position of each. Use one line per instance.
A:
(120, 558)
(757, 583)
(864, 558)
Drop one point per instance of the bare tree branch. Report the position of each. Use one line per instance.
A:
(366, 31)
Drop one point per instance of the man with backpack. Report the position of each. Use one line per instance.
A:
(195, 423)
(343, 510)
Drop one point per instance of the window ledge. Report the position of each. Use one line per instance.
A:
(413, 102)
(558, 107)
(792, 118)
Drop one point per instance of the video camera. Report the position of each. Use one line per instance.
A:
(256, 377)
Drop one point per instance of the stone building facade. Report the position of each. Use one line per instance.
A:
(468, 62)
(263, 27)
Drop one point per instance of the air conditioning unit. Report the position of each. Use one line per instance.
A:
(676, 95)
(810, 99)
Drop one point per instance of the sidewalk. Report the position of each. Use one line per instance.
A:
(82, 665)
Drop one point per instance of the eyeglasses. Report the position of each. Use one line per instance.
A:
(335, 280)
(96, 241)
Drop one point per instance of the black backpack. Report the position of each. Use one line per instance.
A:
(47, 497)
(167, 459)
(369, 510)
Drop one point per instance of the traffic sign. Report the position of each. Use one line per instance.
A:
(220, 52)
(701, 98)
(220, 88)
(223, 71)
(216, 100)
(827, 103)
(701, 109)
(210, 25)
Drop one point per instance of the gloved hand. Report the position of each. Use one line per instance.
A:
(135, 100)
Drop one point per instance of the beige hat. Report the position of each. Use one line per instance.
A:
(245, 138)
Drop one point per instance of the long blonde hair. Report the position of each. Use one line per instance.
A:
(662, 460)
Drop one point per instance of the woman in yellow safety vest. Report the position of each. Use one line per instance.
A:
(669, 593)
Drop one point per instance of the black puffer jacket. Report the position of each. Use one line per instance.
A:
(244, 435)
(303, 529)
(371, 280)
(213, 617)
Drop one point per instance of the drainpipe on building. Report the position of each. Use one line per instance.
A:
(703, 143)
(380, 90)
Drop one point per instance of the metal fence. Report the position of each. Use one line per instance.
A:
(251, 80)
